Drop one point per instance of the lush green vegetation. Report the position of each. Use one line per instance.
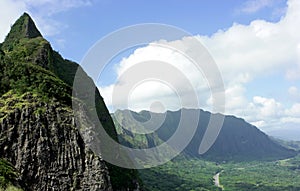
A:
(246, 157)
(8, 176)
(24, 27)
(125, 132)
(21, 74)
(195, 174)
(10, 101)
(276, 175)
(181, 174)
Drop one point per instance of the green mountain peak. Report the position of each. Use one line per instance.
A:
(24, 27)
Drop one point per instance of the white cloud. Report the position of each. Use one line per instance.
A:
(294, 111)
(234, 99)
(261, 111)
(252, 6)
(259, 48)
(267, 108)
(172, 69)
(269, 114)
(41, 11)
(242, 53)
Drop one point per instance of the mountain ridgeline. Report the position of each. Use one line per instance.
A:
(237, 140)
(40, 142)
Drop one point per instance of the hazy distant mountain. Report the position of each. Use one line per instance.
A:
(290, 133)
(238, 140)
(295, 145)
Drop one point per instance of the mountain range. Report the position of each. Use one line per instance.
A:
(237, 140)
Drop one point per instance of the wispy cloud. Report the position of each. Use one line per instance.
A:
(253, 6)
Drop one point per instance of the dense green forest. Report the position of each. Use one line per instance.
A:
(195, 174)
(181, 174)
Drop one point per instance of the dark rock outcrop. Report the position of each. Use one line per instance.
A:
(48, 150)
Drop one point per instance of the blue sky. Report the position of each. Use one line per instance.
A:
(103, 17)
(266, 92)
(75, 28)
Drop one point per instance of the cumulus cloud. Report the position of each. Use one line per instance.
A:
(40, 10)
(269, 114)
(267, 108)
(243, 53)
(258, 48)
(171, 70)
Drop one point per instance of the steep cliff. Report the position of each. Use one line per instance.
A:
(42, 141)
(38, 133)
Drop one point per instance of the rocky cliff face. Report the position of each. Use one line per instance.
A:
(42, 141)
(38, 133)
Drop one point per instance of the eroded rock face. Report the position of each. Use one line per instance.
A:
(45, 146)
